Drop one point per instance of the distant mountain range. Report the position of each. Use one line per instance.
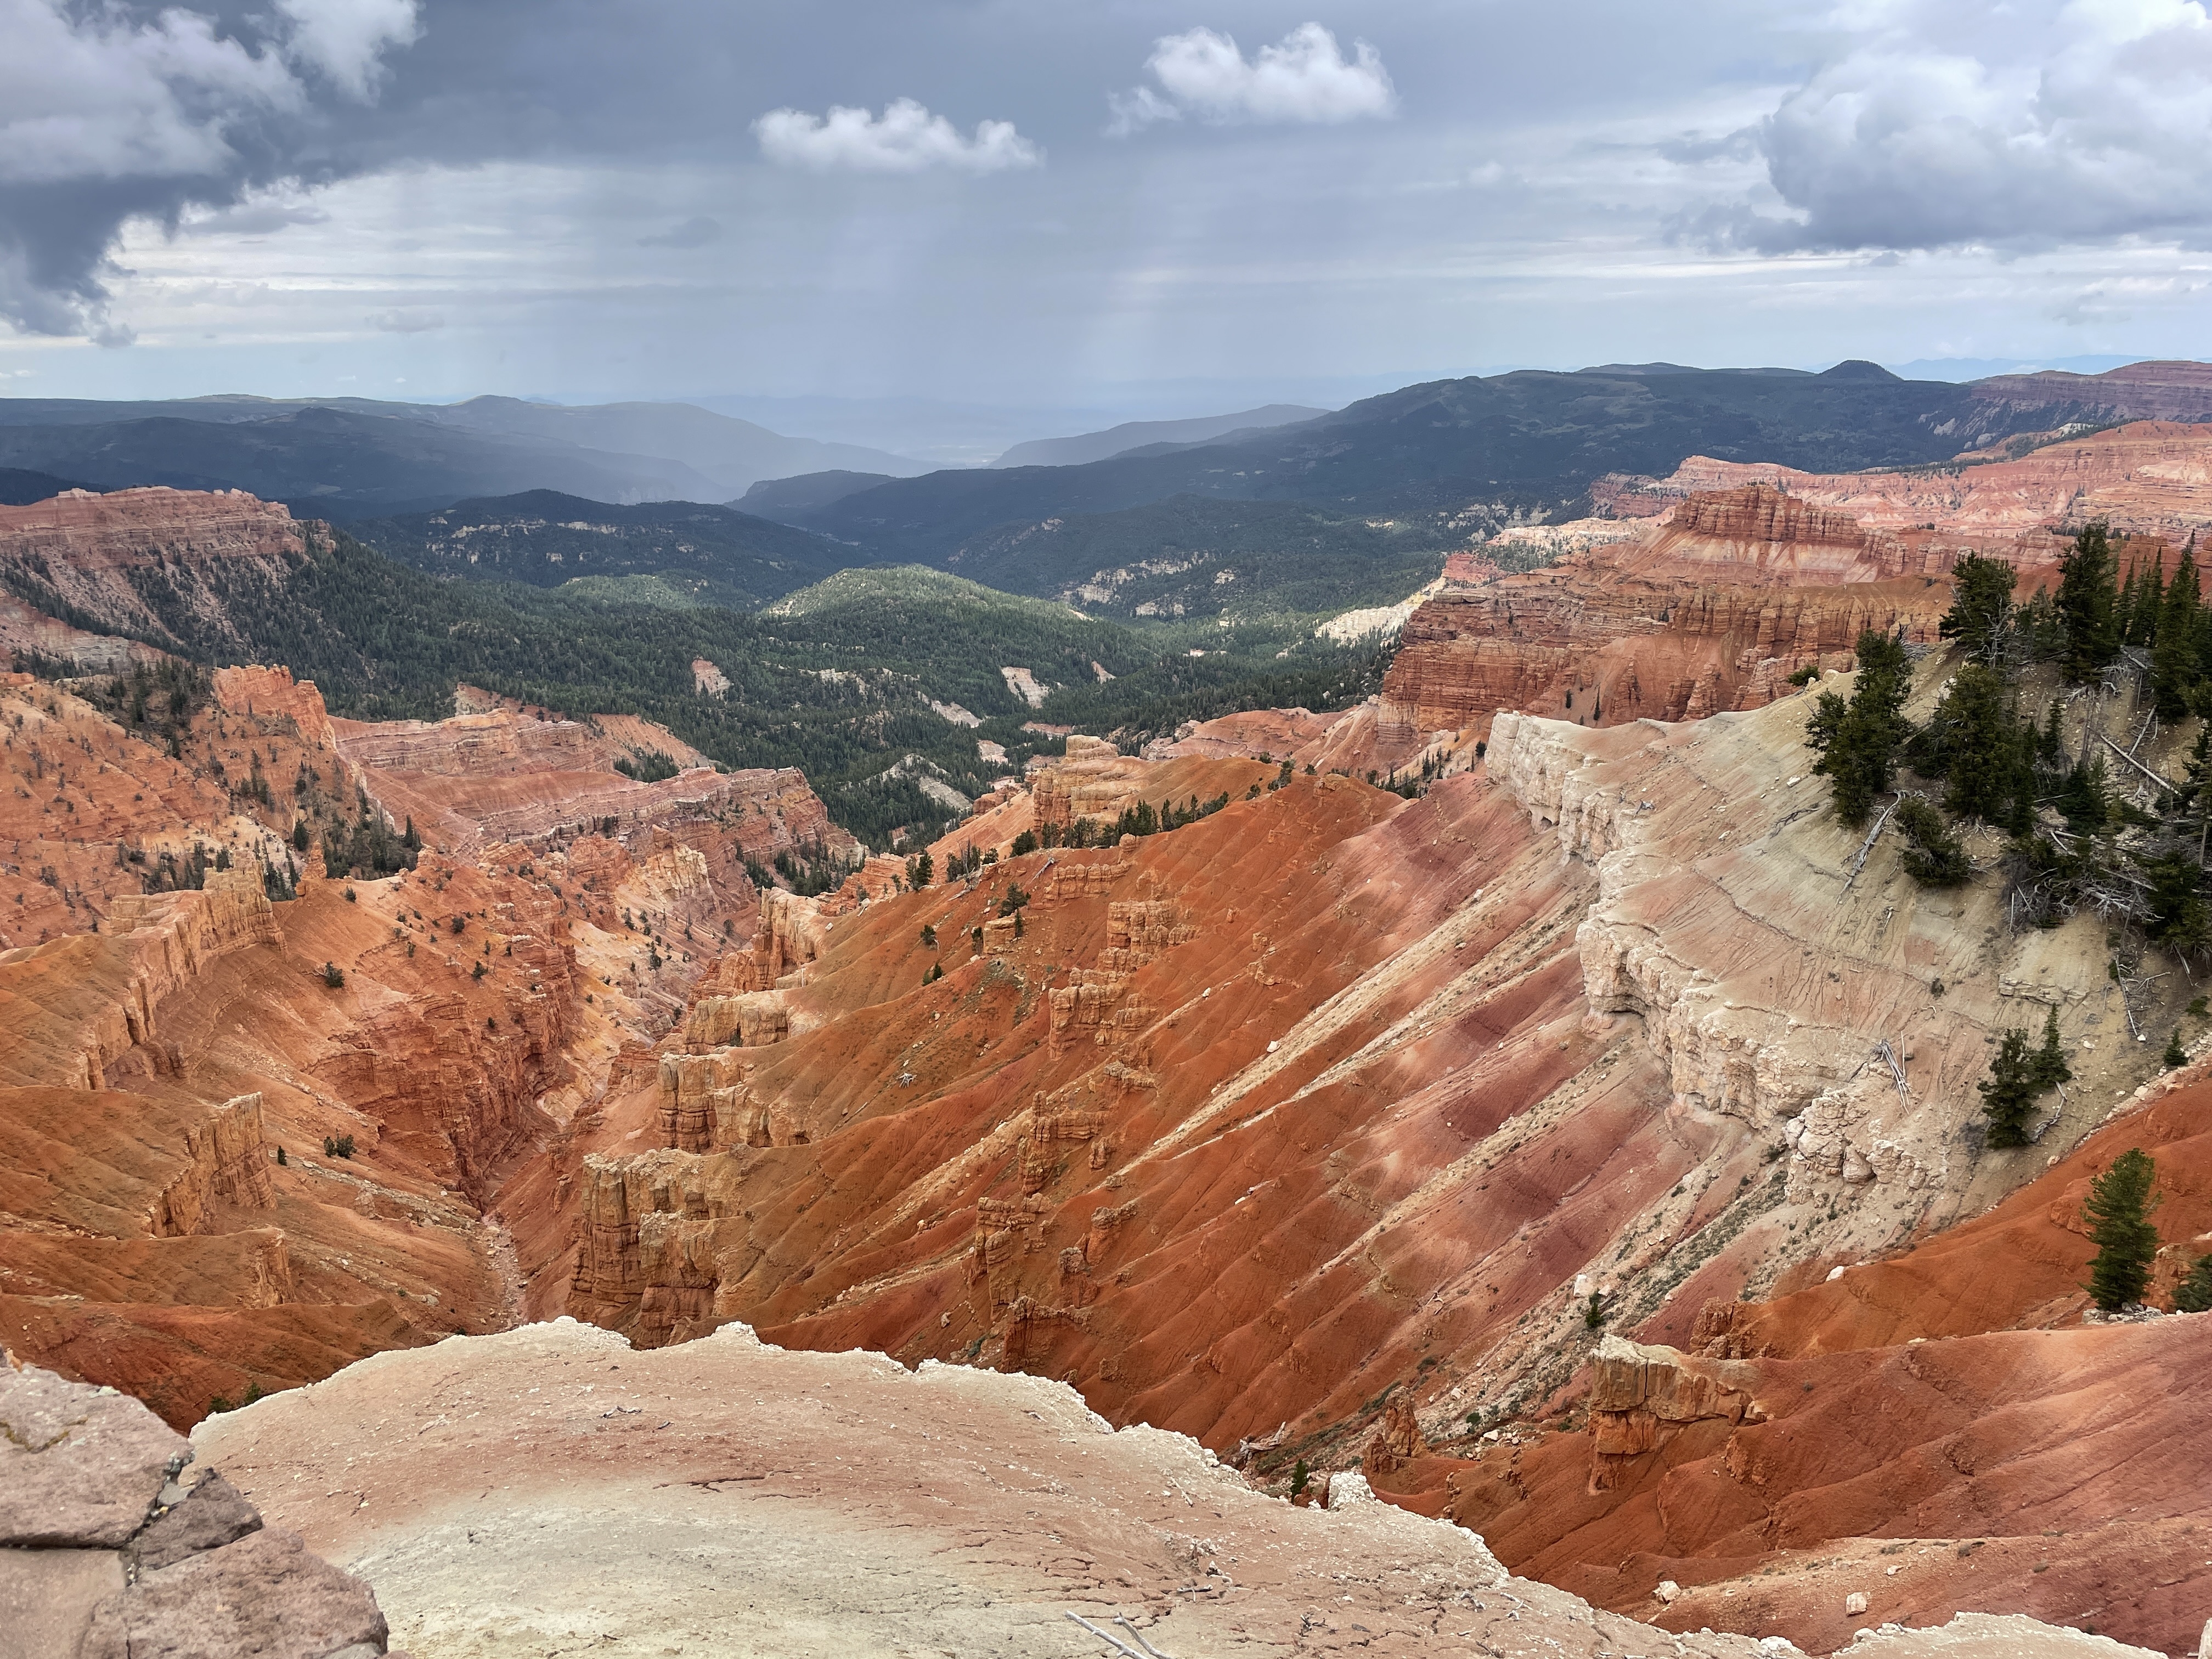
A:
(348, 458)
(1280, 511)
(1141, 435)
(1463, 455)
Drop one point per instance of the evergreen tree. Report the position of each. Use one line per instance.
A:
(2008, 1092)
(1857, 741)
(2175, 1054)
(1934, 856)
(2049, 745)
(2178, 918)
(2085, 799)
(2089, 608)
(1985, 762)
(1981, 605)
(2194, 1293)
(2118, 1210)
(2149, 599)
(2050, 1067)
(2173, 670)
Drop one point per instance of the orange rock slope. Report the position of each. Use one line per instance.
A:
(1935, 1430)
(1310, 1128)
(164, 1044)
(1713, 608)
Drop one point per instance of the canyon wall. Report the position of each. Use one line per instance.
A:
(103, 560)
(246, 1137)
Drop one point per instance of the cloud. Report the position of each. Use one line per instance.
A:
(108, 112)
(1932, 128)
(692, 232)
(345, 41)
(253, 219)
(1303, 77)
(905, 138)
(404, 322)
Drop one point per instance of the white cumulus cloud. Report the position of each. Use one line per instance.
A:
(1303, 77)
(2002, 125)
(905, 138)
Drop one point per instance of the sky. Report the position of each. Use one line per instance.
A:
(1120, 207)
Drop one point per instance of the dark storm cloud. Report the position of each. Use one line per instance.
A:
(898, 192)
(111, 112)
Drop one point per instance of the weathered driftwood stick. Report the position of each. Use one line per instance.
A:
(1867, 846)
(2163, 783)
(1107, 1637)
(1123, 1619)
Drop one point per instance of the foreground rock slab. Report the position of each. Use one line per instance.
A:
(551, 1490)
(109, 1550)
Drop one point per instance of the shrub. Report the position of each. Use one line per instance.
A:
(281, 1159)
(2118, 1210)
(1934, 857)
(1300, 1477)
(333, 975)
(337, 1145)
(929, 936)
(1594, 1311)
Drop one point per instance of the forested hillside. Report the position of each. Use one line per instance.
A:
(716, 555)
(846, 681)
